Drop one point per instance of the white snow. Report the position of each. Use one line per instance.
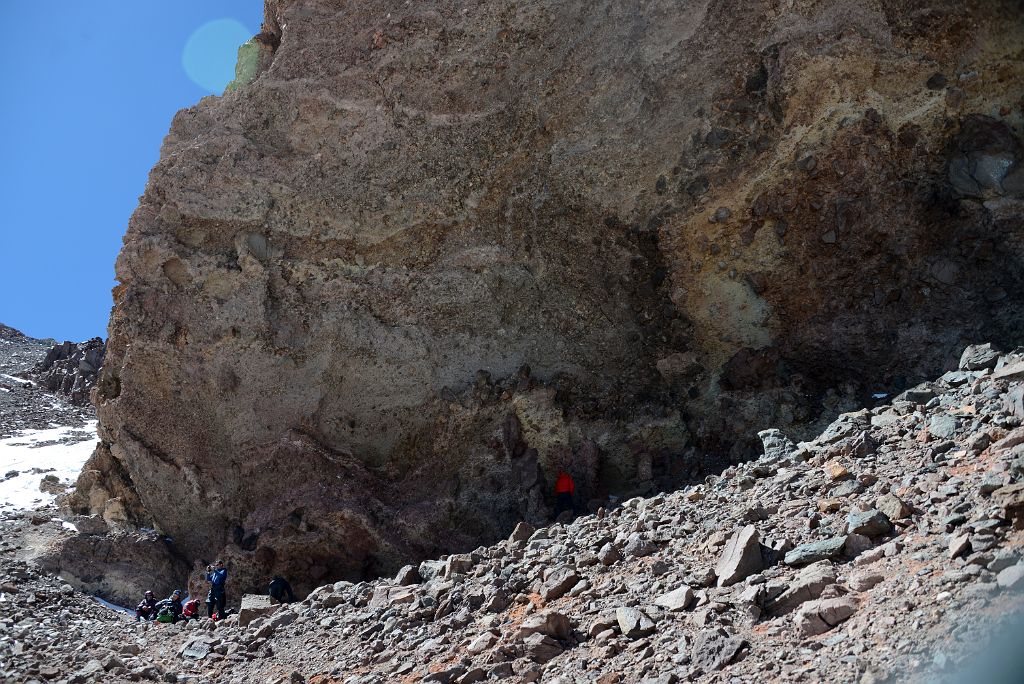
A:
(28, 450)
(114, 607)
(19, 381)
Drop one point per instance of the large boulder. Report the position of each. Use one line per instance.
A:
(420, 256)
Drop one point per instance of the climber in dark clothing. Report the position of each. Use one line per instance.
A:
(217, 576)
(146, 610)
(281, 591)
(172, 604)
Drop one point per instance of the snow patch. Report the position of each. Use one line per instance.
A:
(114, 607)
(20, 381)
(42, 450)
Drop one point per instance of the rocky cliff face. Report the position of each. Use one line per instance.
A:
(373, 298)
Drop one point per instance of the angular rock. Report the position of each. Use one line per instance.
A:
(892, 506)
(871, 523)
(807, 586)
(863, 580)
(541, 648)
(740, 558)
(1011, 499)
(482, 643)
(777, 446)
(522, 532)
(677, 599)
(609, 554)
(552, 623)
(634, 623)
(1011, 577)
(943, 426)
(1011, 371)
(979, 357)
(818, 617)
(408, 574)
(959, 545)
(558, 583)
(254, 606)
(713, 649)
(826, 549)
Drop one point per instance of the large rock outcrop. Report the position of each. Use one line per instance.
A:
(373, 298)
(71, 369)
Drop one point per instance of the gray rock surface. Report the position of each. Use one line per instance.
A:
(740, 558)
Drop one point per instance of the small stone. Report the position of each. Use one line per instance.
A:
(870, 523)
(892, 506)
(634, 623)
(836, 470)
(558, 583)
(677, 599)
(713, 649)
(959, 545)
(818, 617)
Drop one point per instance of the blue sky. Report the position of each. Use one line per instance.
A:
(90, 89)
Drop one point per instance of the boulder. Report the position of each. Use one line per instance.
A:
(826, 549)
(979, 357)
(254, 606)
(740, 558)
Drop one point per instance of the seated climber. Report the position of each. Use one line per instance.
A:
(280, 590)
(146, 610)
(190, 611)
(564, 490)
(170, 609)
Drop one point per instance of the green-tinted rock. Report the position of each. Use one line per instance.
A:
(247, 66)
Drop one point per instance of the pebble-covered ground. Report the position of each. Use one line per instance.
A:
(888, 549)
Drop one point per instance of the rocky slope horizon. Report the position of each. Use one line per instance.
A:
(889, 548)
(422, 255)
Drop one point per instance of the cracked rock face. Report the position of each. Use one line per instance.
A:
(373, 299)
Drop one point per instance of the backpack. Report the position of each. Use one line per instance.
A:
(165, 615)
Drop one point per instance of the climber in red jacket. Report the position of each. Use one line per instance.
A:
(564, 490)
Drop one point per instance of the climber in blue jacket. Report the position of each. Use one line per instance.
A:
(217, 576)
